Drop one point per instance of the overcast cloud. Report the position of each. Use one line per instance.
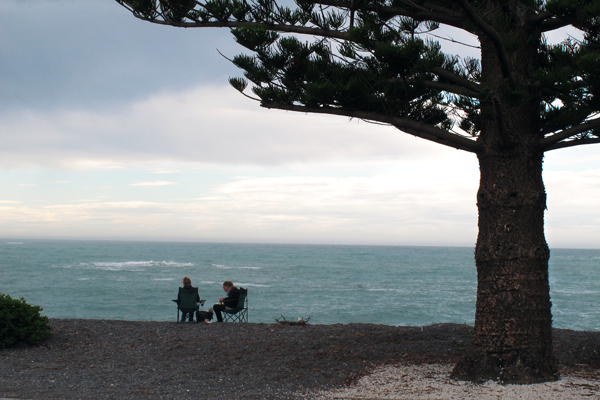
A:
(113, 128)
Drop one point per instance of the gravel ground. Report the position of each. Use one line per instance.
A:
(102, 359)
(431, 382)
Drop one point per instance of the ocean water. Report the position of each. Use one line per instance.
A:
(329, 284)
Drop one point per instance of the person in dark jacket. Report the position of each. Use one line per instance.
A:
(187, 285)
(231, 301)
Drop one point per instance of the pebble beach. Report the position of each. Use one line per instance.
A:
(105, 359)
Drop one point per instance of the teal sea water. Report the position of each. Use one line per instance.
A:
(392, 285)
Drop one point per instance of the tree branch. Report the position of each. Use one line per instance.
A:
(489, 30)
(412, 127)
(546, 21)
(572, 143)
(451, 88)
(458, 80)
(539, 18)
(552, 142)
(549, 22)
(432, 13)
(236, 24)
(446, 87)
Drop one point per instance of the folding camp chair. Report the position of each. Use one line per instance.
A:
(188, 301)
(239, 313)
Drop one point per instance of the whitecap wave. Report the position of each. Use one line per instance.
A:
(135, 265)
(219, 266)
(176, 264)
(251, 285)
(68, 266)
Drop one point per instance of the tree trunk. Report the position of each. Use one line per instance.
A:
(512, 340)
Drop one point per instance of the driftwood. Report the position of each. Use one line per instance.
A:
(299, 321)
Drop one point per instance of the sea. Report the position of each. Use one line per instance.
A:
(324, 284)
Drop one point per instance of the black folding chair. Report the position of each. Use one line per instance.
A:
(188, 301)
(239, 313)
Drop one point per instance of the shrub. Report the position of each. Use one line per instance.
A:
(21, 322)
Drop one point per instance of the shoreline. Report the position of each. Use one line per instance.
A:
(97, 359)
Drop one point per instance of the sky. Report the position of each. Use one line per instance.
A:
(117, 129)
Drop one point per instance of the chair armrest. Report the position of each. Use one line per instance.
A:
(202, 302)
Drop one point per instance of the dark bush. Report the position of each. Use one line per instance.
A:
(21, 322)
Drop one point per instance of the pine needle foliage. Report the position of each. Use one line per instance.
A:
(374, 58)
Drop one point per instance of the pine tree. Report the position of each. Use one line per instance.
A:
(371, 59)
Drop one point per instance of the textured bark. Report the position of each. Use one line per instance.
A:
(512, 339)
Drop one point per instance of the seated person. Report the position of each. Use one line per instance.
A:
(231, 301)
(187, 285)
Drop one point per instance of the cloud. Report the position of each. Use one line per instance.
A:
(152, 184)
(59, 60)
(573, 216)
(166, 171)
(204, 125)
(392, 208)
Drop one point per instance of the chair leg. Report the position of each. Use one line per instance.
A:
(240, 316)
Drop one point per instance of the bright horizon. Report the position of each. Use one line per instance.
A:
(24, 240)
(117, 129)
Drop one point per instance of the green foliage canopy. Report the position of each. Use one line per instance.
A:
(372, 59)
